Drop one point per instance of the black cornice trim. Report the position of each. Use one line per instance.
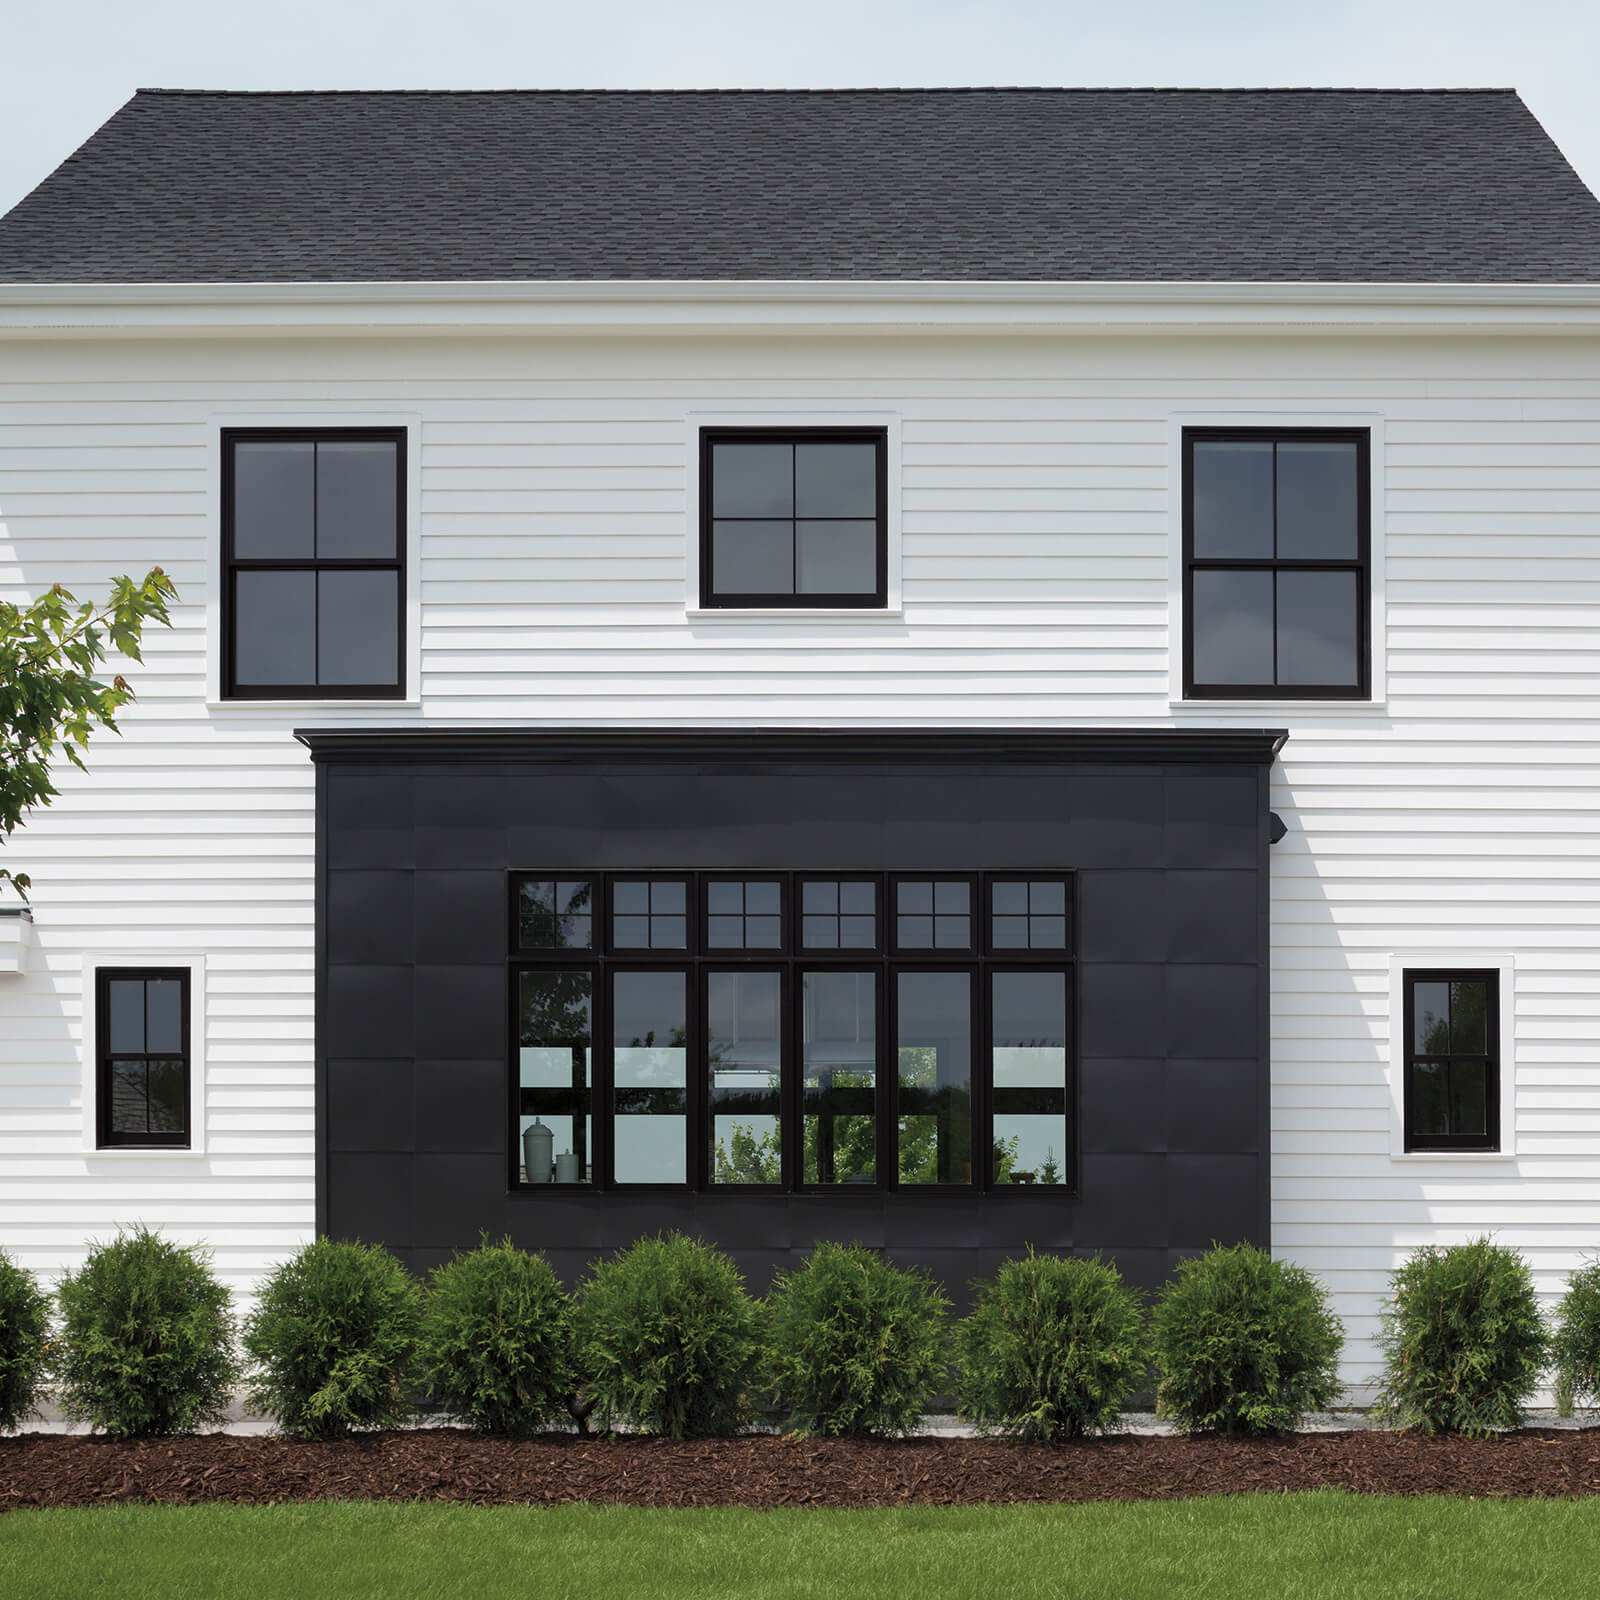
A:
(857, 746)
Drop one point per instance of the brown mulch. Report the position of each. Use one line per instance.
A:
(447, 1465)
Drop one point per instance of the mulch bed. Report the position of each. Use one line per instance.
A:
(447, 1465)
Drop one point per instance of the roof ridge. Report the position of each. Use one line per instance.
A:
(885, 89)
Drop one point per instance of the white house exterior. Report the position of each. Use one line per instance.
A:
(1033, 504)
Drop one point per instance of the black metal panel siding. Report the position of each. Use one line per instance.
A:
(412, 1050)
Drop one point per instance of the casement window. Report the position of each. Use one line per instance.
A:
(313, 568)
(1277, 563)
(792, 1030)
(793, 518)
(1452, 1059)
(142, 1057)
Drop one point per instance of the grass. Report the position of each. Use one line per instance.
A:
(1323, 1544)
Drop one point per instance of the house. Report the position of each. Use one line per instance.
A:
(957, 669)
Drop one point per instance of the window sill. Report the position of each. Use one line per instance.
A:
(411, 704)
(145, 1153)
(1432, 1157)
(1278, 707)
(794, 614)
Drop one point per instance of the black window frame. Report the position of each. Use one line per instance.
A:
(884, 962)
(1489, 1139)
(105, 1059)
(1360, 565)
(232, 565)
(712, 600)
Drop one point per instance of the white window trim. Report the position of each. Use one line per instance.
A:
(1415, 960)
(756, 416)
(290, 415)
(196, 968)
(1278, 417)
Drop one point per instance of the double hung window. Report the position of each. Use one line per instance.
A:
(313, 568)
(792, 1030)
(1452, 1059)
(1277, 563)
(142, 1057)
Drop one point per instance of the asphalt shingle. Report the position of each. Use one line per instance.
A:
(983, 184)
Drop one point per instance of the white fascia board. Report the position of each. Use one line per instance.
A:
(695, 307)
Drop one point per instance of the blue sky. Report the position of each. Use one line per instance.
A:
(69, 65)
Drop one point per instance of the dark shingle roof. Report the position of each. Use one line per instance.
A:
(1041, 184)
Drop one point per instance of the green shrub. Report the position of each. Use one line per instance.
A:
(333, 1337)
(666, 1339)
(859, 1346)
(1462, 1339)
(146, 1338)
(1575, 1339)
(1053, 1349)
(24, 1329)
(1244, 1344)
(493, 1345)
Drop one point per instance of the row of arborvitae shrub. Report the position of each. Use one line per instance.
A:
(664, 1338)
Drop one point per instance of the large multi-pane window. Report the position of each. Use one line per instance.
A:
(792, 1030)
(1276, 544)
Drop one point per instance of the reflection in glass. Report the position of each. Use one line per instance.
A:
(835, 557)
(752, 557)
(836, 478)
(554, 1063)
(1430, 1004)
(933, 915)
(1231, 628)
(752, 478)
(839, 1073)
(933, 1057)
(744, 1039)
(1318, 515)
(1232, 483)
(358, 627)
(168, 1096)
(1430, 1098)
(163, 1001)
(555, 914)
(1319, 628)
(744, 914)
(125, 1002)
(649, 1036)
(838, 915)
(1028, 914)
(649, 914)
(1029, 1040)
(1469, 1017)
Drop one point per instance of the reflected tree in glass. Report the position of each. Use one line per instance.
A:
(554, 1038)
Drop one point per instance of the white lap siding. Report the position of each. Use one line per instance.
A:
(1036, 532)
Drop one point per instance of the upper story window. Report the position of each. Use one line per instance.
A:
(313, 572)
(1452, 1059)
(1277, 563)
(793, 518)
(142, 1057)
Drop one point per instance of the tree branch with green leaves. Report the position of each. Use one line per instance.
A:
(50, 697)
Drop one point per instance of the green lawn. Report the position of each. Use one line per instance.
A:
(1283, 1546)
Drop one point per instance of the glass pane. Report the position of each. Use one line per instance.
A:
(273, 500)
(554, 1057)
(1430, 1109)
(752, 558)
(1469, 1018)
(163, 1000)
(649, 1033)
(744, 1040)
(835, 480)
(274, 628)
(751, 479)
(1010, 898)
(169, 1096)
(763, 897)
(763, 933)
(1318, 628)
(358, 627)
(1232, 498)
(668, 895)
(724, 899)
(1317, 512)
(820, 896)
(357, 508)
(914, 933)
(125, 1016)
(952, 933)
(858, 933)
(632, 896)
(1047, 933)
(1232, 627)
(1029, 1039)
(555, 916)
(129, 1105)
(836, 557)
(1469, 1103)
(1047, 899)
(840, 1074)
(725, 933)
(1010, 933)
(952, 898)
(819, 933)
(913, 897)
(858, 899)
(1430, 1005)
(934, 1073)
